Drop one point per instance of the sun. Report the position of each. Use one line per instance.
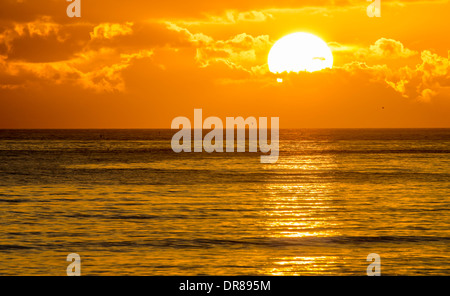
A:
(299, 52)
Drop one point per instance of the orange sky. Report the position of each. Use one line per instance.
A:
(139, 64)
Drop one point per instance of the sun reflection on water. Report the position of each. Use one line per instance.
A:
(300, 265)
(302, 211)
(299, 213)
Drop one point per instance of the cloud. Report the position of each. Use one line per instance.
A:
(107, 77)
(100, 71)
(40, 28)
(420, 76)
(242, 51)
(42, 40)
(422, 81)
(229, 17)
(253, 16)
(197, 38)
(109, 31)
(389, 48)
(432, 76)
(338, 47)
(92, 57)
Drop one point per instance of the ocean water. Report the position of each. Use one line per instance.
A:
(129, 205)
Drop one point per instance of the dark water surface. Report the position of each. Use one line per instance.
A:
(129, 205)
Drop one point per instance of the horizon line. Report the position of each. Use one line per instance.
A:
(151, 128)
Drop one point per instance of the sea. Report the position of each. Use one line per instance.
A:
(129, 205)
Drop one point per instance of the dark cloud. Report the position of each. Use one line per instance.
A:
(59, 44)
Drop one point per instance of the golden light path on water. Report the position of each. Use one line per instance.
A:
(302, 265)
(297, 213)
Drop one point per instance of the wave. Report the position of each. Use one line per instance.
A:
(203, 243)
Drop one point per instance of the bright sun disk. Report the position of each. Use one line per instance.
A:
(299, 52)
